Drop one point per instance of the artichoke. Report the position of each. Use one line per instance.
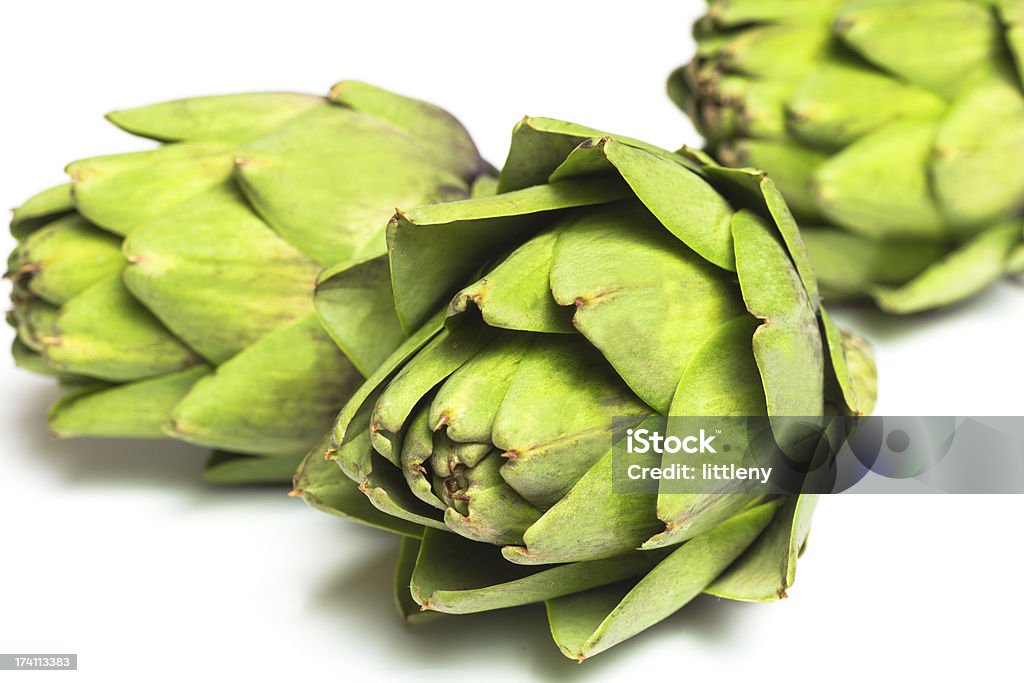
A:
(606, 280)
(893, 127)
(171, 290)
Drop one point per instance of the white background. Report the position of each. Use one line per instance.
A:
(115, 551)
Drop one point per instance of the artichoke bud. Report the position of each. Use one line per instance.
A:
(883, 124)
(607, 282)
(182, 278)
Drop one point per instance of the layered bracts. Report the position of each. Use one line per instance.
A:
(171, 290)
(606, 280)
(894, 128)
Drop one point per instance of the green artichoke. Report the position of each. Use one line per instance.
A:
(171, 290)
(606, 279)
(894, 128)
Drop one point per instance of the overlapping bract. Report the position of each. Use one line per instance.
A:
(172, 289)
(894, 128)
(606, 279)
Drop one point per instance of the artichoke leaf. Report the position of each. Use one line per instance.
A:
(120, 192)
(449, 144)
(417, 449)
(408, 610)
(440, 357)
(590, 522)
(852, 367)
(980, 139)
(784, 51)
(467, 403)
(494, 512)
(737, 12)
(217, 275)
(768, 567)
(1015, 262)
(355, 456)
(32, 361)
(841, 102)
(65, 257)
(648, 322)
(586, 623)
(325, 176)
(748, 107)
(457, 576)
(272, 398)
(516, 293)
(541, 145)
(322, 484)
(387, 491)
(850, 264)
(435, 249)
(755, 191)
(225, 118)
(721, 380)
(240, 469)
(787, 345)
(34, 320)
(588, 159)
(793, 166)
(104, 332)
(959, 275)
(356, 306)
(40, 209)
(702, 222)
(351, 428)
(1012, 13)
(137, 409)
(879, 186)
(559, 375)
(935, 43)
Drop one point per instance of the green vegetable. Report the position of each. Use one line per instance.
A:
(605, 279)
(172, 289)
(894, 128)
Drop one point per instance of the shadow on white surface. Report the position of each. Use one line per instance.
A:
(349, 602)
(362, 596)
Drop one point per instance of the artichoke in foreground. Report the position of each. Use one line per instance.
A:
(606, 280)
(171, 290)
(894, 128)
